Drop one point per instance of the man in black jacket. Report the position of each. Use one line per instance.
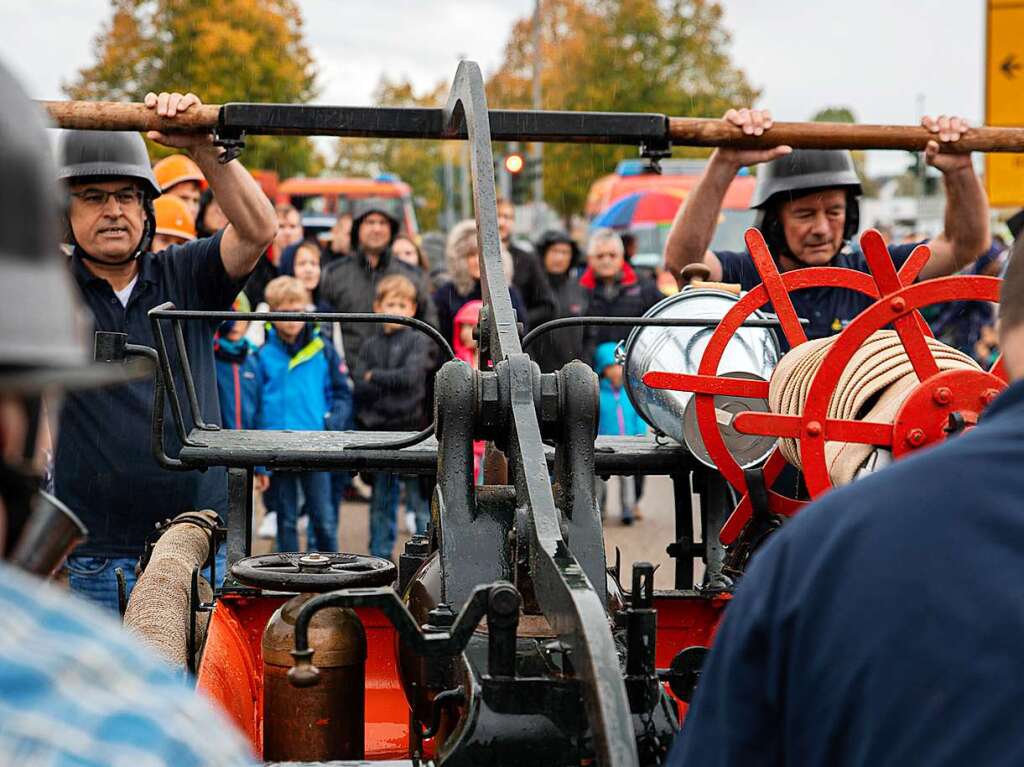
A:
(349, 284)
(560, 257)
(527, 273)
(613, 290)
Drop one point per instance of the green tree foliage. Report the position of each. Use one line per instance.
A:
(417, 162)
(668, 56)
(834, 115)
(229, 50)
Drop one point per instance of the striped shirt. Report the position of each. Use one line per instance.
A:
(75, 689)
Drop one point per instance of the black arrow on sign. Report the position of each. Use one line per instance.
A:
(1010, 66)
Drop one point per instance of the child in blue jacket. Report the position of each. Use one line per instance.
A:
(304, 384)
(617, 416)
(238, 384)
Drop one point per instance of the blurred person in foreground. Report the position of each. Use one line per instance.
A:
(808, 212)
(75, 688)
(104, 466)
(882, 624)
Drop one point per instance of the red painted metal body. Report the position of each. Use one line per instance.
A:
(231, 668)
(921, 420)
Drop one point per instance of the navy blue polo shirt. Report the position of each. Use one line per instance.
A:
(883, 625)
(104, 468)
(828, 309)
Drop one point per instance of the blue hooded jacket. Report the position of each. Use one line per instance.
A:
(305, 384)
(617, 413)
(238, 382)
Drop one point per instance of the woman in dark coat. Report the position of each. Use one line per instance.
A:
(561, 259)
(463, 254)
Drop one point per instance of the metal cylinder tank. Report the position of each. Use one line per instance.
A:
(751, 353)
(321, 723)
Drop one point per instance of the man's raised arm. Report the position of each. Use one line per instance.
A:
(966, 234)
(251, 220)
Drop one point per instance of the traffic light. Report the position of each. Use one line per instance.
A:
(519, 189)
(514, 163)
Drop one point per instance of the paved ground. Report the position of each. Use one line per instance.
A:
(645, 539)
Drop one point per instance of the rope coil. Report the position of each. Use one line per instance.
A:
(873, 385)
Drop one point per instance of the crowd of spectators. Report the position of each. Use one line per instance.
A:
(369, 376)
(380, 375)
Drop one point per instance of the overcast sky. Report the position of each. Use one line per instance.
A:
(879, 57)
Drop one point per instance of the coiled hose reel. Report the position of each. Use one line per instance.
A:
(827, 394)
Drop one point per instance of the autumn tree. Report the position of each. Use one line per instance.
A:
(666, 56)
(230, 50)
(417, 162)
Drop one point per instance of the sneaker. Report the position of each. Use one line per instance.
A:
(268, 527)
(637, 516)
(410, 522)
(627, 521)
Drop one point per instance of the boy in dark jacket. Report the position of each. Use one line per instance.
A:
(305, 387)
(390, 390)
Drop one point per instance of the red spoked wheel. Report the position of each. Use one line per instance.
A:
(922, 418)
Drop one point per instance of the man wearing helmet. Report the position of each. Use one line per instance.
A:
(104, 468)
(808, 213)
(76, 688)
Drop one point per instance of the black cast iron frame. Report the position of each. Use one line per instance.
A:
(523, 409)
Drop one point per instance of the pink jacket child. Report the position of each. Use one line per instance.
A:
(465, 349)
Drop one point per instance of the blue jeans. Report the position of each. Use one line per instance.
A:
(323, 519)
(93, 577)
(383, 508)
(417, 503)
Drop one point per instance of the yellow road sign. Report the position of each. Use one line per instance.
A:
(1004, 97)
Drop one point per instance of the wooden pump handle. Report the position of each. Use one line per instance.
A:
(683, 131)
(115, 115)
(718, 133)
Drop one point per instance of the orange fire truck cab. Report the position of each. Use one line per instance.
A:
(322, 200)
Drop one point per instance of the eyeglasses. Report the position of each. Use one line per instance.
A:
(97, 198)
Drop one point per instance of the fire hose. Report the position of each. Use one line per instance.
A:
(160, 609)
(876, 381)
